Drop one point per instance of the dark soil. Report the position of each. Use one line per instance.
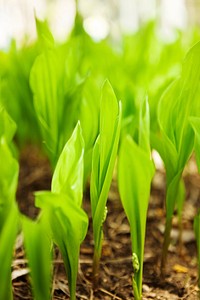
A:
(116, 271)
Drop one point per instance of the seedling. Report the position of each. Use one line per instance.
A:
(197, 233)
(62, 206)
(176, 138)
(56, 93)
(135, 174)
(38, 251)
(103, 161)
(9, 218)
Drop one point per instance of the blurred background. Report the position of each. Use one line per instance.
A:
(101, 17)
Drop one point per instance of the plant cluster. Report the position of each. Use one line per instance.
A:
(53, 91)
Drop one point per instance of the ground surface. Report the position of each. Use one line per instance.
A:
(180, 281)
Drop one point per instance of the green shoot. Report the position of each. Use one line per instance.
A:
(9, 217)
(62, 206)
(176, 138)
(38, 251)
(103, 161)
(56, 90)
(134, 178)
(197, 234)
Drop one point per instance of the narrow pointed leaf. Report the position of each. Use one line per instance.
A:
(8, 235)
(38, 252)
(195, 122)
(134, 178)
(104, 156)
(68, 174)
(69, 225)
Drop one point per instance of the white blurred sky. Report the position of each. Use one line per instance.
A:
(17, 16)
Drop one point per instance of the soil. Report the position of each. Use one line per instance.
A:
(180, 281)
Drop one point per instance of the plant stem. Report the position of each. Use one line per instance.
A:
(166, 243)
(135, 290)
(199, 278)
(96, 263)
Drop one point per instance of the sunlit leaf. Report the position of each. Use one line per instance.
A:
(68, 174)
(38, 251)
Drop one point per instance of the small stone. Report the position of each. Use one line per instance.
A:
(152, 295)
(146, 288)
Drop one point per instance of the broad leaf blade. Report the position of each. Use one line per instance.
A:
(134, 178)
(109, 111)
(69, 228)
(197, 234)
(38, 251)
(44, 35)
(8, 235)
(9, 171)
(68, 174)
(195, 123)
(7, 126)
(104, 156)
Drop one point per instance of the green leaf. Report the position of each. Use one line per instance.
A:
(197, 234)
(38, 252)
(177, 104)
(109, 111)
(68, 174)
(104, 156)
(57, 98)
(8, 234)
(69, 225)
(44, 35)
(195, 123)
(44, 78)
(7, 126)
(144, 126)
(9, 171)
(135, 172)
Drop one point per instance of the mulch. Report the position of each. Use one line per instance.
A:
(180, 281)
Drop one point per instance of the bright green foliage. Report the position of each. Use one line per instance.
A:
(68, 174)
(176, 138)
(9, 218)
(9, 167)
(103, 161)
(57, 92)
(38, 251)
(197, 234)
(7, 126)
(62, 206)
(63, 88)
(15, 92)
(195, 123)
(135, 174)
(8, 234)
(45, 38)
(89, 124)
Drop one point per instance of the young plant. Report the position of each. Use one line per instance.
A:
(9, 217)
(103, 161)
(38, 251)
(56, 88)
(176, 138)
(197, 234)
(15, 91)
(135, 172)
(62, 206)
(195, 123)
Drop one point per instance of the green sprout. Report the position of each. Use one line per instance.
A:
(197, 234)
(135, 172)
(9, 216)
(175, 140)
(61, 207)
(103, 161)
